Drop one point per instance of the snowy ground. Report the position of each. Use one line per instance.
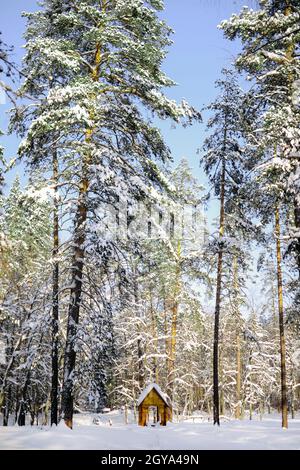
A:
(187, 435)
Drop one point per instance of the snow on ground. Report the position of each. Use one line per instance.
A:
(186, 435)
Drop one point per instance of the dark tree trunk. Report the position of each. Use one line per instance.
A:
(23, 402)
(55, 300)
(74, 310)
(22, 414)
(216, 398)
(17, 404)
(6, 406)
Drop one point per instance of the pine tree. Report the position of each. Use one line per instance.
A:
(223, 164)
(90, 115)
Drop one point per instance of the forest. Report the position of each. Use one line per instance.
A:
(113, 274)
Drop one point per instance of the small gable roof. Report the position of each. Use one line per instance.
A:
(158, 390)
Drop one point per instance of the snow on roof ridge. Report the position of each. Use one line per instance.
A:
(148, 389)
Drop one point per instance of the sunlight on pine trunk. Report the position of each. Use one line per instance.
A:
(174, 323)
(284, 408)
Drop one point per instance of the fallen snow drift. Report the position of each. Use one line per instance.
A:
(266, 434)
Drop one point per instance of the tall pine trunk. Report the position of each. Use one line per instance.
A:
(77, 271)
(174, 324)
(221, 382)
(166, 333)
(216, 399)
(171, 374)
(55, 300)
(284, 408)
(74, 306)
(154, 338)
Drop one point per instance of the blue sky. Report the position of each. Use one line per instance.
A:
(195, 60)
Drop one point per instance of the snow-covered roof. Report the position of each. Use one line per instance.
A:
(157, 388)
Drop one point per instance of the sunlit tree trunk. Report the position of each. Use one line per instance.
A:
(284, 408)
(154, 338)
(174, 324)
(167, 336)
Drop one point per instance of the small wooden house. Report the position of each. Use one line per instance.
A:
(152, 399)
